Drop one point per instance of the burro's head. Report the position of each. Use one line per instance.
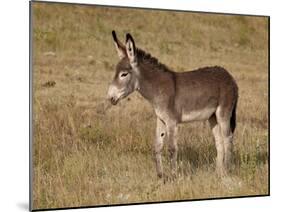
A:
(125, 80)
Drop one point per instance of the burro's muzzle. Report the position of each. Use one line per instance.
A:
(114, 94)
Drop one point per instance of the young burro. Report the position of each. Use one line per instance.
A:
(208, 93)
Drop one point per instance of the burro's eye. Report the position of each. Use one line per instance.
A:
(124, 74)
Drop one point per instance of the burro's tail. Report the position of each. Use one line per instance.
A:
(233, 118)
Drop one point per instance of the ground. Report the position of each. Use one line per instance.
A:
(86, 152)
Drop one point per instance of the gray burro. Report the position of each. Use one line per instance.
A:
(208, 93)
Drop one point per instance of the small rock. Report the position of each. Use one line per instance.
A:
(90, 57)
(52, 54)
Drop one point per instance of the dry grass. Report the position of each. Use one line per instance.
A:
(85, 153)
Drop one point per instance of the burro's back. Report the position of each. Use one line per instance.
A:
(209, 93)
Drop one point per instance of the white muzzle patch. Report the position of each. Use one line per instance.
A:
(114, 94)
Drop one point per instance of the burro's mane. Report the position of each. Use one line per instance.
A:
(148, 59)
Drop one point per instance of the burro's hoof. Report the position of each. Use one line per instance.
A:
(160, 175)
(168, 178)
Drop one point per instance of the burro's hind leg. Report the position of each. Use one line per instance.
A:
(228, 143)
(223, 119)
(158, 146)
(215, 127)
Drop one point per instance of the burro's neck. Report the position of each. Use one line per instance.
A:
(155, 84)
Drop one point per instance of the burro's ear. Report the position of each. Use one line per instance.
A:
(131, 49)
(120, 48)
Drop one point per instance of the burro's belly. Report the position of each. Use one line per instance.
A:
(197, 115)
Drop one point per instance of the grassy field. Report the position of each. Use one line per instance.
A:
(86, 152)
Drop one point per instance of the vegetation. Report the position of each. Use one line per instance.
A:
(86, 152)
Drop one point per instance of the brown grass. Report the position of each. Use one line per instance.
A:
(87, 153)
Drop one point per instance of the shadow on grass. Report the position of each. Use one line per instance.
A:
(193, 158)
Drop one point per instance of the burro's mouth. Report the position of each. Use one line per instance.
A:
(114, 101)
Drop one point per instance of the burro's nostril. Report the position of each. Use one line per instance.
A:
(113, 100)
(112, 94)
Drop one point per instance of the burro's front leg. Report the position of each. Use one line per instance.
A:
(172, 145)
(158, 146)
